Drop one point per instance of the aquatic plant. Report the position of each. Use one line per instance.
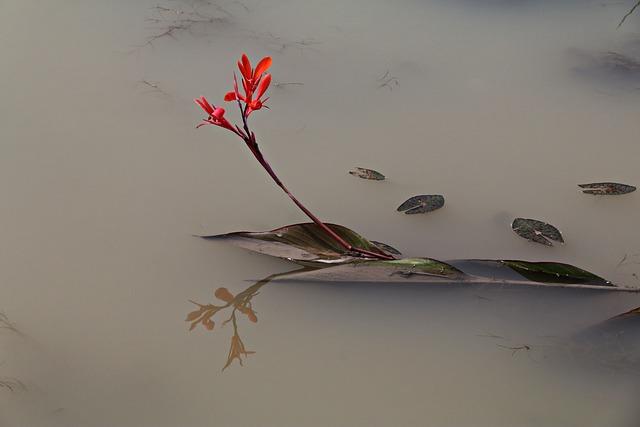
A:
(255, 82)
(334, 253)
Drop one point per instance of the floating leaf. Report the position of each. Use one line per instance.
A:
(304, 243)
(536, 231)
(424, 271)
(607, 188)
(367, 174)
(422, 204)
(387, 248)
(555, 272)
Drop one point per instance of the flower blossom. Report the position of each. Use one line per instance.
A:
(254, 82)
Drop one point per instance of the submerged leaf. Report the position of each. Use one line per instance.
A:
(367, 174)
(304, 243)
(422, 204)
(536, 231)
(607, 188)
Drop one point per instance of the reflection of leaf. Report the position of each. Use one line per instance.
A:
(367, 174)
(555, 272)
(631, 313)
(302, 243)
(536, 231)
(607, 188)
(422, 204)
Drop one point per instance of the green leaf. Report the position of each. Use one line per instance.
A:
(367, 174)
(422, 204)
(536, 231)
(458, 272)
(408, 270)
(555, 272)
(304, 243)
(607, 188)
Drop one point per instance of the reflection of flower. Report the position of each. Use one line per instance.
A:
(240, 302)
(237, 350)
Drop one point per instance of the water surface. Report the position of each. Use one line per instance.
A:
(501, 106)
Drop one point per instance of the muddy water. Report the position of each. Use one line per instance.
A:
(502, 106)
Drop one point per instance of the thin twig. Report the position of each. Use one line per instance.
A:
(633, 9)
(280, 85)
(515, 349)
(154, 86)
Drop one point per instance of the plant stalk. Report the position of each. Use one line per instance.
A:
(250, 140)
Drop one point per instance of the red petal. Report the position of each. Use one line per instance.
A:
(230, 96)
(264, 85)
(209, 106)
(218, 113)
(246, 67)
(262, 66)
(204, 104)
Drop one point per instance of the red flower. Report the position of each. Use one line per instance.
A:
(252, 80)
(216, 115)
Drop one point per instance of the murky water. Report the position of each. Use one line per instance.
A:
(501, 106)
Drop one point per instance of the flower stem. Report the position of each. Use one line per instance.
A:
(253, 146)
(250, 140)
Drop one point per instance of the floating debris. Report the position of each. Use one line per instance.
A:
(628, 14)
(536, 231)
(422, 204)
(607, 188)
(608, 67)
(367, 174)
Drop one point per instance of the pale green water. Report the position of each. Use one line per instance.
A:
(104, 180)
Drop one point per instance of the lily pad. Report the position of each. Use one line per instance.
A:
(536, 231)
(422, 204)
(367, 174)
(607, 188)
(304, 243)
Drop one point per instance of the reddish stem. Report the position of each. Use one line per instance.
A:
(253, 146)
(250, 139)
